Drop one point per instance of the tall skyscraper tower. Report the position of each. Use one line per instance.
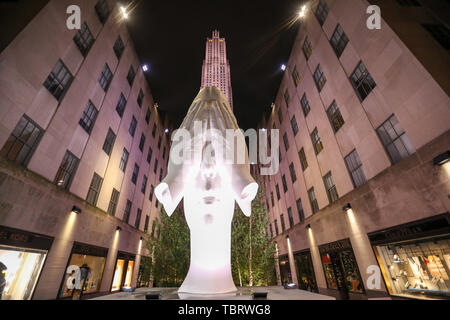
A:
(216, 67)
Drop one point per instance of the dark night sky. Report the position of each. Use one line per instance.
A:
(170, 37)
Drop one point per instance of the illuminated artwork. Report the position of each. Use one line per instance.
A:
(210, 172)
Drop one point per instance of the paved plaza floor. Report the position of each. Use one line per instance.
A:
(274, 293)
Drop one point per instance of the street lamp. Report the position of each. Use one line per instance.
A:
(145, 68)
(283, 67)
(124, 12)
(302, 12)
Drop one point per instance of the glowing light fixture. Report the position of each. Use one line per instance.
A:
(76, 210)
(442, 159)
(145, 68)
(308, 226)
(142, 239)
(302, 12)
(166, 131)
(347, 207)
(118, 229)
(283, 67)
(124, 12)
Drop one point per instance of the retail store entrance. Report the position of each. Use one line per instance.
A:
(340, 267)
(305, 271)
(285, 270)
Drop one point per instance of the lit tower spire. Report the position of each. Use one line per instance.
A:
(216, 67)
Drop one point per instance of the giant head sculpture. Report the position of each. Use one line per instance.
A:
(208, 167)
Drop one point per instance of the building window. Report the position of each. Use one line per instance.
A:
(109, 142)
(147, 221)
(152, 192)
(277, 232)
(395, 140)
(164, 153)
(305, 105)
(159, 142)
(301, 213)
(335, 117)
(124, 160)
(331, 188)
(135, 174)
(121, 104)
(102, 10)
(133, 125)
(355, 168)
(144, 184)
(271, 231)
(303, 161)
(322, 12)
(119, 47)
(161, 172)
(286, 141)
(141, 143)
(131, 75)
(317, 143)
(307, 48)
(155, 168)
(84, 39)
(283, 180)
(362, 81)
(138, 219)
(440, 33)
(105, 77)
(319, 78)
(23, 141)
(156, 206)
(126, 214)
(147, 116)
(313, 200)
(94, 189)
(283, 226)
(140, 98)
(66, 170)
(291, 218)
(292, 172)
(294, 125)
(339, 40)
(277, 189)
(149, 155)
(272, 198)
(88, 118)
(287, 98)
(113, 202)
(296, 76)
(59, 80)
(154, 130)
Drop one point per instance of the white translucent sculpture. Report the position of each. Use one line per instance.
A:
(210, 183)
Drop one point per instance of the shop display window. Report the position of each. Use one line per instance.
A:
(84, 274)
(305, 272)
(123, 272)
(416, 268)
(19, 271)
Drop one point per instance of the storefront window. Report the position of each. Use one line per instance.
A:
(285, 270)
(416, 268)
(305, 271)
(329, 274)
(123, 273)
(84, 274)
(117, 281)
(19, 271)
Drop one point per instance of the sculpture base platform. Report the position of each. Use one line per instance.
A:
(274, 293)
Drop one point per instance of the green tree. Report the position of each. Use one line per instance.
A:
(170, 249)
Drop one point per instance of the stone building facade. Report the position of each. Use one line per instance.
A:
(83, 144)
(359, 208)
